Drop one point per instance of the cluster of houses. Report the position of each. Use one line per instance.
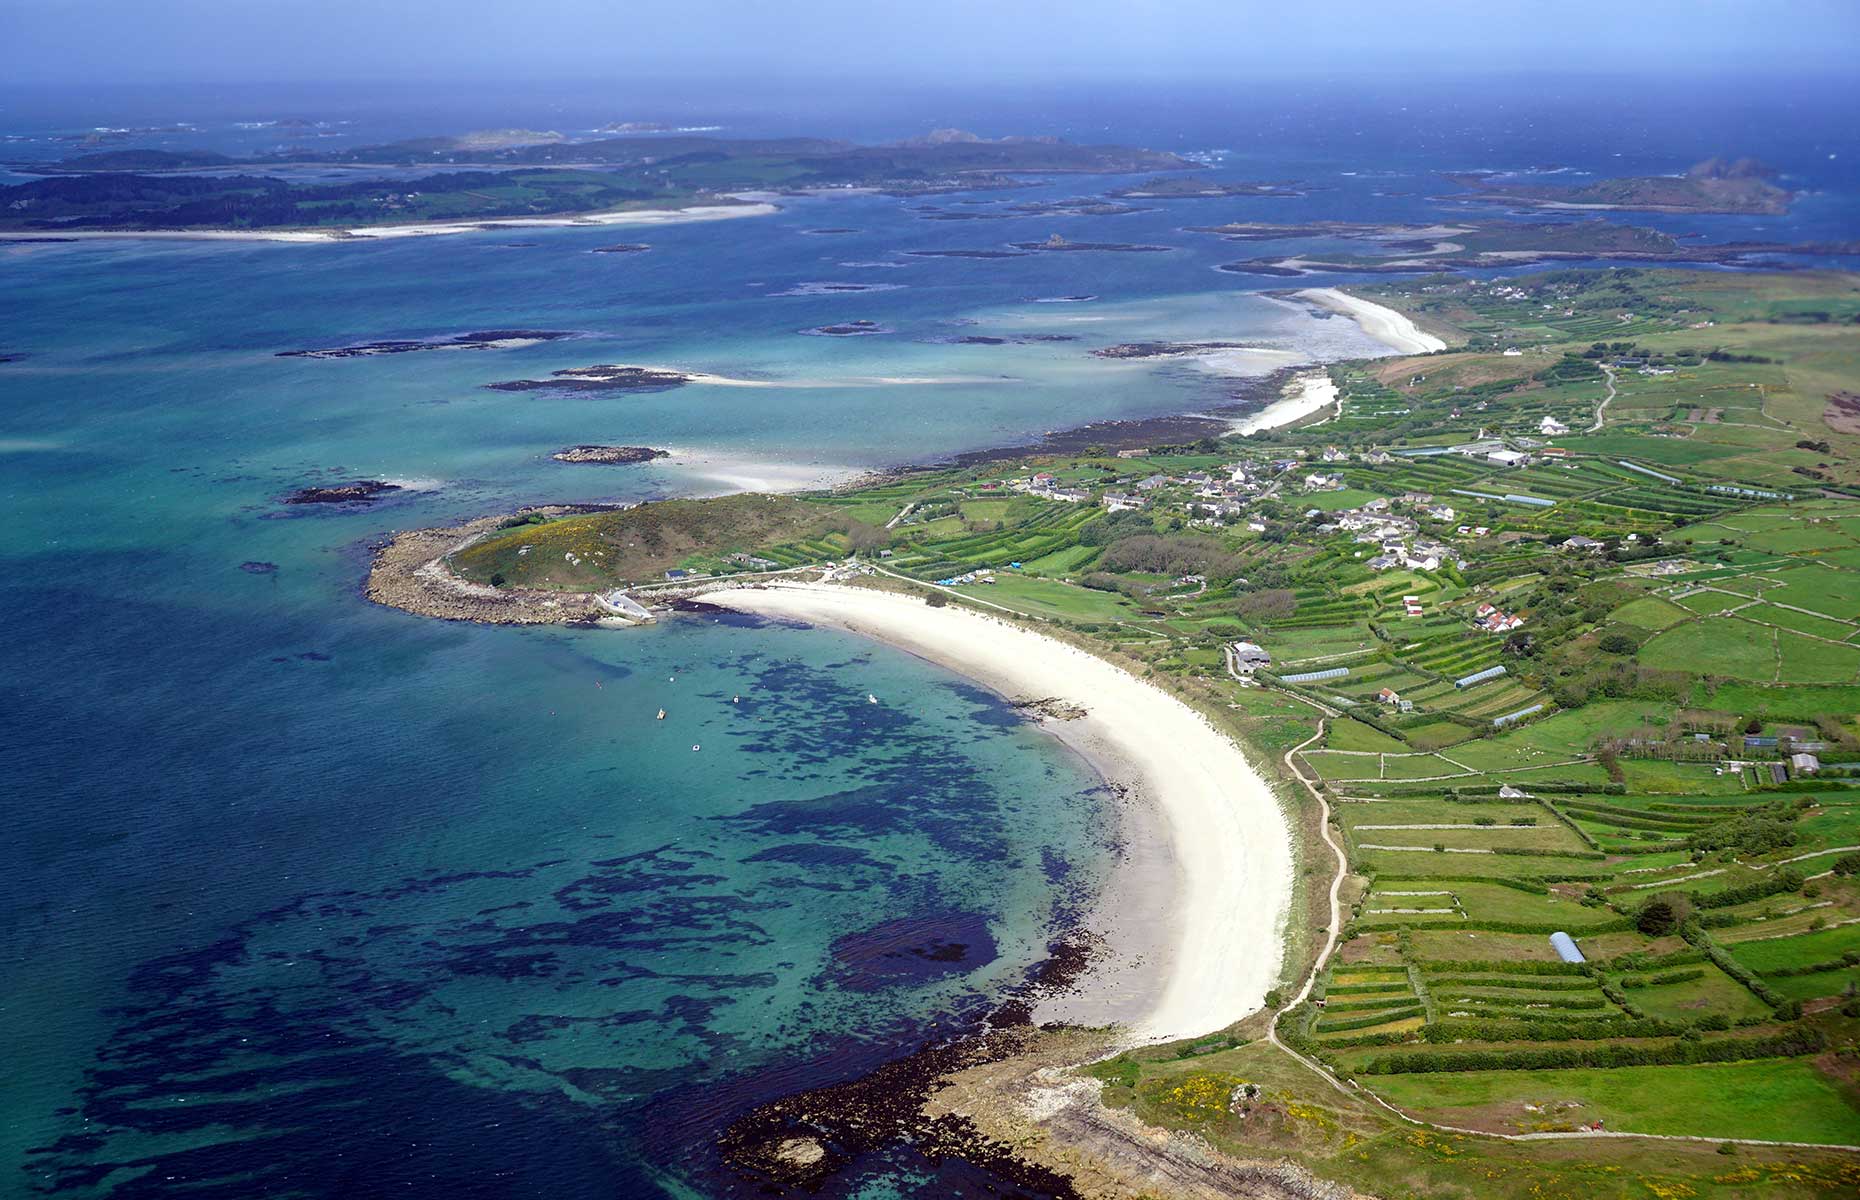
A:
(1046, 486)
(1396, 537)
(1638, 365)
(1495, 620)
(1212, 497)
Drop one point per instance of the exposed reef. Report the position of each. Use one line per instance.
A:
(1164, 349)
(604, 377)
(362, 491)
(1180, 187)
(617, 455)
(848, 329)
(967, 253)
(482, 339)
(1058, 244)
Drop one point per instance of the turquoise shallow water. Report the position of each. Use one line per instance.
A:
(291, 872)
(307, 897)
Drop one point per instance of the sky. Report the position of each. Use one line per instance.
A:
(930, 42)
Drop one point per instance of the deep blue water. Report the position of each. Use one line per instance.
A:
(308, 897)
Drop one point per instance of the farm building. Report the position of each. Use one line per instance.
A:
(1508, 458)
(1249, 657)
(1804, 764)
(1565, 947)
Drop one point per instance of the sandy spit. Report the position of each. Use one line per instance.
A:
(1308, 393)
(1195, 914)
(1386, 325)
(644, 216)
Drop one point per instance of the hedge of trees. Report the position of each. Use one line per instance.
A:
(1508, 966)
(1537, 984)
(1791, 1043)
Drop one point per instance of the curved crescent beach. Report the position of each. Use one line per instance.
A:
(1194, 916)
(1386, 325)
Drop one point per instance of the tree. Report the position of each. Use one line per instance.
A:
(936, 600)
(866, 538)
(1617, 643)
(497, 579)
(1661, 915)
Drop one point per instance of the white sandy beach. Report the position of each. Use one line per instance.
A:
(1386, 325)
(1195, 913)
(643, 216)
(1308, 393)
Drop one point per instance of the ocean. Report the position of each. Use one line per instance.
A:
(303, 896)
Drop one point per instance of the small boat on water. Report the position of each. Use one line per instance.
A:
(870, 698)
(661, 715)
(695, 747)
(736, 699)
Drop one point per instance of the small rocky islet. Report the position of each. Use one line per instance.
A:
(362, 491)
(612, 455)
(602, 377)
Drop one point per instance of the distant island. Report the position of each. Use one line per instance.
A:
(1714, 185)
(514, 174)
(1410, 249)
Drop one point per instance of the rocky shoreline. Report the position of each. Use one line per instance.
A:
(409, 572)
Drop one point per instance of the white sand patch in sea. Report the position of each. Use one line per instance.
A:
(1195, 912)
(1247, 362)
(727, 471)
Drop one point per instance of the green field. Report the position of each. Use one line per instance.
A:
(1783, 1100)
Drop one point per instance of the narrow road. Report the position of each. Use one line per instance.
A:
(1606, 400)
